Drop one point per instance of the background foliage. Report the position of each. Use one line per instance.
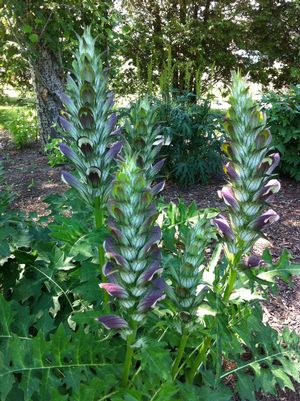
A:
(25, 26)
(19, 118)
(202, 34)
(194, 135)
(283, 110)
(199, 34)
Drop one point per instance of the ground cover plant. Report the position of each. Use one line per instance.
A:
(177, 315)
(21, 121)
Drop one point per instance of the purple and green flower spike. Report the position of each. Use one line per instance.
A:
(90, 125)
(133, 271)
(251, 183)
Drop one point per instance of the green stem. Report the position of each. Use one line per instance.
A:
(230, 283)
(200, 358)
(128, 357)
(179, 356)
(99, 223)
(99, 217)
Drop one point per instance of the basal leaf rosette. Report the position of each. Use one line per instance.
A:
(188, 290)
(90, 124)
(249, 170)
(133, 270)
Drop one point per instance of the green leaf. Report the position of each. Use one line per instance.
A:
(245, 387)
(265, 382)
(244, 294)
(6, 385)
(156, 361)
(205, 310)
(33, 37)
(4, 250)
(282, 269)
(282, 378)
(67, 360)
(87, 246)
(166, 392)
(222, 393)
(27, 29)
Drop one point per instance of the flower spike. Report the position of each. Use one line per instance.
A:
(89, 123)
(248, 169)
(134, 257)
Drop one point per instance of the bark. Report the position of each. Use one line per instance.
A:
(48, 79)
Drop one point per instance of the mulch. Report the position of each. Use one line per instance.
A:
(32, 179)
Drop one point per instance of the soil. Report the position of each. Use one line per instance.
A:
(32, 179)
(29, 175)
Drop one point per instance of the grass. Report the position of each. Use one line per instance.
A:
(19, 118)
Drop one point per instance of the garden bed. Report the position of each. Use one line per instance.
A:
(32, 179)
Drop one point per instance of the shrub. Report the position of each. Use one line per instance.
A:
(21, 122)
(194, 134)
(283, 111)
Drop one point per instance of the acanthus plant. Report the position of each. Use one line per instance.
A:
(133, 271)
(91, 131)
(123, 201)
(250, 185)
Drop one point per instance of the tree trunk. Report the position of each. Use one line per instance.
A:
(48, 79)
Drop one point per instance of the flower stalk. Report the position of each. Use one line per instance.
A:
(143, 136)
(128, 357)
(199, 359)
(186, 274)
(232, 274)
(99, 223)
(188, 290)
(180, 353)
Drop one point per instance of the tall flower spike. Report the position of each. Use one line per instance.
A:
(133, 271)
(188, 290)
(143, 136)
(90, 123)
(248, 169)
